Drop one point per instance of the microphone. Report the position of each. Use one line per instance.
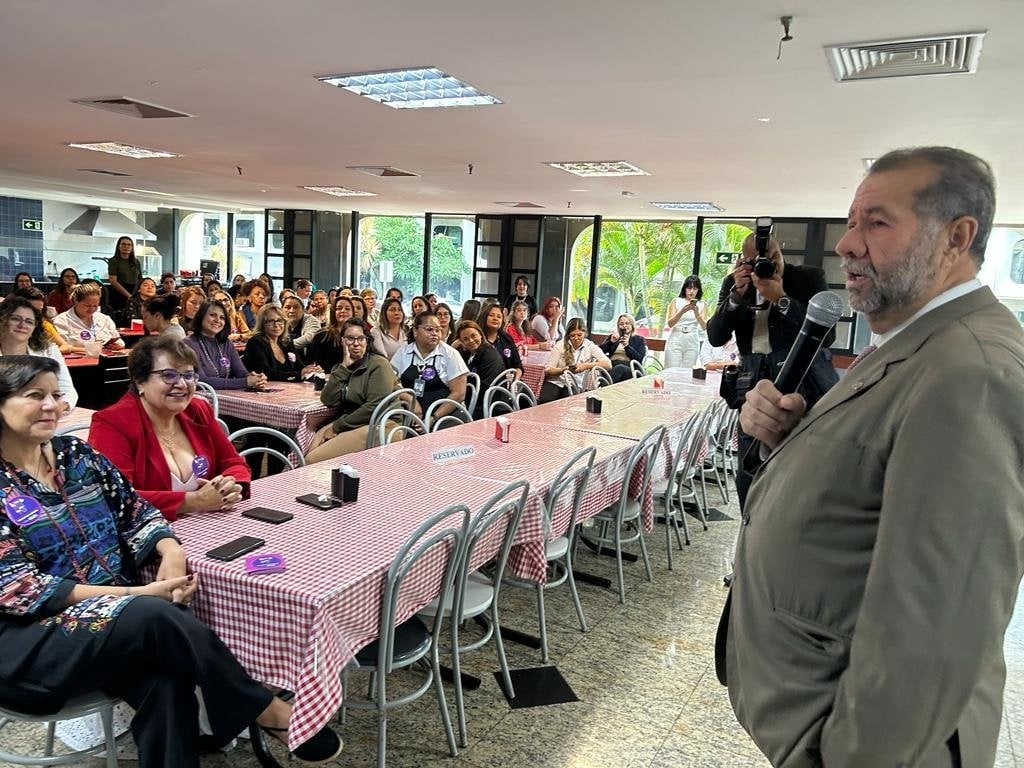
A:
(823, 313)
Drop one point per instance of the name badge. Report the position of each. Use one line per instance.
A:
(86, 336)
(23, 510)
(419, 387)
(506, 352)
(224, 362)
(291, 357)
(200, 466)
(448, 455)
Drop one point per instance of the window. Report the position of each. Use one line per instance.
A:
(451, 259)
(203, 236)
(248, 244)
(391, 254)
(1003, 268)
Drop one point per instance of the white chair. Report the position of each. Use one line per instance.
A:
(498, 400)
(80, 706)
(679, 485)
(476, 594)
(503, 379)
(296, 459)
(720, 425)
(636, 369)
(472, 391)
(458, 415)
(627, 512)
(399, 647)
(652, 364)
(204, 390)
(399, 400)
(71, 429)
(600, 378)
(521, 394)
(571, 478)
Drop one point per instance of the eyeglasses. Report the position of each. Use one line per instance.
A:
(354, 339)
(19, 321)
(273, 322)
(430, 328)
(171, 376)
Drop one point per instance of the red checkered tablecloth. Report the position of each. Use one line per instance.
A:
(292, 406)
(533, 372)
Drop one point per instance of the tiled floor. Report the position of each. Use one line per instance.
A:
(643, 673)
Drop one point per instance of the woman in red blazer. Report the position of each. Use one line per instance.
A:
(165, 440)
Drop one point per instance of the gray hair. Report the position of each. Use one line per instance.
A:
(963, 186)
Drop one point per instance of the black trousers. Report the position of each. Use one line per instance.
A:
(549, 393)
(153, 658)
(744, 478)
(621, 372)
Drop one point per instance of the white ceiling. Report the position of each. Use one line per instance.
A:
(674, 87)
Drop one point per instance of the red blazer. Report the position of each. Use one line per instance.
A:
(124, 434)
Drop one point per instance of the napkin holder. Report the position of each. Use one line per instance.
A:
(501, 428)
(700, 373)
(345, 483)
(593, 405)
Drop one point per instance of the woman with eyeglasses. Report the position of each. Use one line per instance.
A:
(271, 352)
(369, 297)
(389, 334)
(302, 327)
(85, 324)
(443, 313)
(429, 367)
(572, 356)
(22, 333)
(354, 390)
(327, 348)
(219, 363)
(165, 440)
(60, 297)
(76, 617)
(547, 324)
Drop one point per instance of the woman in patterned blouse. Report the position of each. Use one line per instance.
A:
(75, 616)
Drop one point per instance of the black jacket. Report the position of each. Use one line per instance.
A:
(487, 363)
(258, 358)
(636, 349)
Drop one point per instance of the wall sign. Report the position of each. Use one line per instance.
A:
(724, 257)
(33, 225)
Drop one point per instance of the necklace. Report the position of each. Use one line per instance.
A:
(168, 441)
(222, 366)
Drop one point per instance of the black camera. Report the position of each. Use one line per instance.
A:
(764, 265)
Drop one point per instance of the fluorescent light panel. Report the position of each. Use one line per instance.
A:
(132, 190)
(341, 191)
(125, 150)
(590, 168)
(688, 206)
(417, 88)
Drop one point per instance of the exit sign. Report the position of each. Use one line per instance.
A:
(722, 257)
(33, 225)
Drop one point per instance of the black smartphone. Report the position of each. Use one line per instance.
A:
(268, 515)
(240, 546)
(319, 500)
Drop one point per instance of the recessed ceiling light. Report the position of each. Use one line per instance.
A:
(579, 190)
(687, 206)
(591, 168)
(125, 150)
(146, 192)
(341, 191)
(764, 119)
(415, 88)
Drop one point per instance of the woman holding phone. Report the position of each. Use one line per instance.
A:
(687, 319)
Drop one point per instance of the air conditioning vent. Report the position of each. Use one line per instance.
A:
(381, 170)
(104, 172)
(911, 57)
(123, 105)
(513, 204)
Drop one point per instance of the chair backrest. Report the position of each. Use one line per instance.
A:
(652, 364)
(209, 393)
(398, 400)
(600, 377)
(295, 459)
(686, 448)
(636, 369)
(399, 423)
(498, 399)
(472, 391)
(572, 384)
(573, 475)
(646, 451)
(72, 428)
(522, 392)
(458, 415)
(442, 534)
(505, 506)
(504, 380)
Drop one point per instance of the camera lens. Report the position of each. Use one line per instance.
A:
(764, 268)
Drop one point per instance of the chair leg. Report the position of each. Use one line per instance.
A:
(704, 501)
(575, 593)
(510, 691)
(107, 717)
(682, 514)
(460, 704)
(643, 550)
(670, 518)
(446, 719)
(382, 735)
(50, 728)
(618, 563)
(542, 620)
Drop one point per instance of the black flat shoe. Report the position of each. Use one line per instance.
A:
(322, 746)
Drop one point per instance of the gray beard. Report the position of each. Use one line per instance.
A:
(905, 283)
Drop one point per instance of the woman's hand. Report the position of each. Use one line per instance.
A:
(255, 380)
(172, 560)
(311, 369)
(229, 489)
(177, 590)
(207, 498)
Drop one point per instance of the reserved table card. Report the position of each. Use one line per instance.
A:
(448, 455)
(656, 391)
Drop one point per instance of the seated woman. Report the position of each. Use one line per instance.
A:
(354, 390)
(159, 316)
(429, 367)
(547, 324)
(301, 327)
(319, 307)
(60, 297)
(389, 333)
(443, 313)
(84, 323)
(417, 305)
(327, 349)
(219, 363)
(255, 294)
(622, 345)
(191, 298)
(238, 329)
(480, 358)
(521, 331)
(572, 356)
(361, 312)
(492, 321)
(38, 300)
(470, 309)
(271, 351)
(145, 290)
(76, 618)
(22, 333)
(165, 440)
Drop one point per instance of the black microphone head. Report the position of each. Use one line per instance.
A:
(825, 309)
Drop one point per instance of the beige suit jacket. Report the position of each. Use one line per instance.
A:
(879, 569)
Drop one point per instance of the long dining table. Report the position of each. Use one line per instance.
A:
(299, 628)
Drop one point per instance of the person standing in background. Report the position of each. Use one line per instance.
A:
(521, 292)
(303, 289)
(687, 321)
(123, 273)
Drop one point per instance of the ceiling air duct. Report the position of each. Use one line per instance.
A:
(99, 223)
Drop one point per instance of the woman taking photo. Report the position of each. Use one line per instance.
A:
(85, 324)
(686, 318)
(271, 352)
(192, 297)
(238, 329)
(355, 390)
(146, 290)
(480, 358)
(492, 321)
(123, 274)
(429, 367)
(547, 324)
(327, 348)
(389, 333)
(22, 333)
(301, 327)
(219, 363)
(571, 357)
(165, 440)
(60, 297)
(622, 345)
(158, 315)
(77, 617)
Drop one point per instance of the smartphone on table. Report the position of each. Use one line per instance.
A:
(236, 548)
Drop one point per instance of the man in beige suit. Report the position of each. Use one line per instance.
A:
(883, 553)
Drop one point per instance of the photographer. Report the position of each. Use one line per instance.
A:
(765, 313)
(622, 345)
